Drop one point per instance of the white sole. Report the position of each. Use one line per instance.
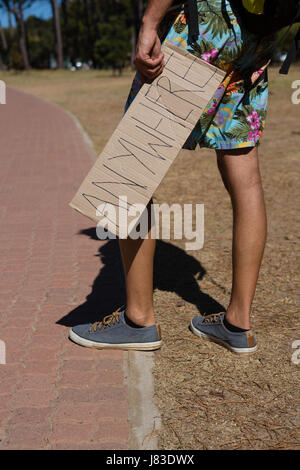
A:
(126, 346)
(223, 343)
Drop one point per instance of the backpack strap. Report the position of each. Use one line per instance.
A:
(193, 22)
(292, 54)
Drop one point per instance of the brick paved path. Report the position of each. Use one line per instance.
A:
(53, 394)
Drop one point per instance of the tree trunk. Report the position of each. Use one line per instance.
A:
(18, 12)
(65, 16)
(90, 45)
(3, 39)
(59, 45)
(5, 47)
(11, 32)
(137, 14)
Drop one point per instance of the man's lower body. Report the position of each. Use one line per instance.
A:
(240, 173)
(232, 125)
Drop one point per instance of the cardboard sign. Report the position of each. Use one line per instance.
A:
(147, 140)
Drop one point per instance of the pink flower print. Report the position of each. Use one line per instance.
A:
(256, 75)
(210, 56)
(254, 135)
(206, 56)
(213, 108)
(214, 53)
(254, 120)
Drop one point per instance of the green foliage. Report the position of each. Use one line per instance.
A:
(15, 59)
(93, 31)
(99, 32)
(41, 42)
(104, 32)
(113, 46)
(179, 27)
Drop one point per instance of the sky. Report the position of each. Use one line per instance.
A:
(40, 8)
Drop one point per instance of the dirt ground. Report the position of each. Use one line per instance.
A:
(208, 397)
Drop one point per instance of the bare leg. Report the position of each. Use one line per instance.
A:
(240, 173)
(137, 256)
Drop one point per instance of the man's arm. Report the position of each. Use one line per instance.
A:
(149, 58)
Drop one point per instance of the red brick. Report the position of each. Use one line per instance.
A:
(15, 334)
(111, 354)
(69, 445)
(46, 341)
(32, 398)
(91, 412)
(49, 256)
(8, 371)
(77, 378)
(8, 385)
(89, 446)
(20, 322)
(82, 365)
(110, 431)
(74, 352)
(38, 367)
(108, 364)
(30, 415)
(27, 437)
(37, 382)
(42, 354)
(4, 416)
(91, 394)
(116, 445)
(74, 432)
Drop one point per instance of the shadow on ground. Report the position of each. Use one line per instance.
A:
(174, 271)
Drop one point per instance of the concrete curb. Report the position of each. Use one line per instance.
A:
(143, 415)
(88, 141)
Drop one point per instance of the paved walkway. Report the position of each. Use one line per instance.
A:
(53, 394)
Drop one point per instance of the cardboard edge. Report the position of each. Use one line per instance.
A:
(185, 53)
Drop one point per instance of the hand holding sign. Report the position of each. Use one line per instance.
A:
(149, 137)
(149, 58)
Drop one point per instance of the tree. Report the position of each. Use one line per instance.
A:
(137, 14)
(57, 27)
(16, 8)
(4, 46)
(65, 27)
(3, 39)
(41, 41)
(113, 45)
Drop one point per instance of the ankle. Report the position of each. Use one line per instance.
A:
(141, 317)
(239, 318)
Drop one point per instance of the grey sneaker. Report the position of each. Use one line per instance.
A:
(212, 328)
(114, 333)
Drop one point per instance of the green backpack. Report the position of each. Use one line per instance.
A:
(277, 15)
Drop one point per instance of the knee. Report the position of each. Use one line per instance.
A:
(245, 181)
(240, 173)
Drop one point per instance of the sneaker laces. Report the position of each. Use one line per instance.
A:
(212, 318)
(107, 321)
